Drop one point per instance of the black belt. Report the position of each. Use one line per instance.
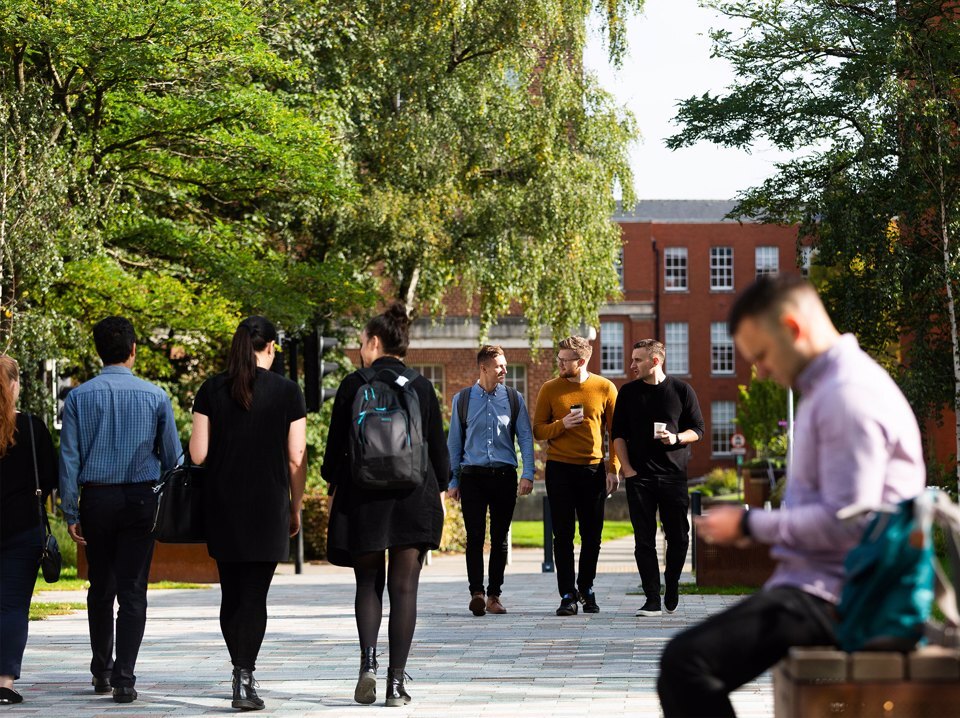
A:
(111, 486)
(493, 472)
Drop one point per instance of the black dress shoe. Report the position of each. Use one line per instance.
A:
(366, 690)
(8, 697)
(396, 694)
(101, 684)
(124, 694)
(245, 696)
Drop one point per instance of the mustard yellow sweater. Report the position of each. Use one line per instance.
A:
(582, 444)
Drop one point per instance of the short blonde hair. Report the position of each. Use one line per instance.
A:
(579, 345)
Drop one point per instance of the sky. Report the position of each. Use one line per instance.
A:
(669, 59)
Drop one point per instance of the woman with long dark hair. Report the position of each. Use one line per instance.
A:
(368, 524)
(21, 532)
(249, 427)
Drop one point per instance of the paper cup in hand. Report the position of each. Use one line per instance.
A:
(658, 428)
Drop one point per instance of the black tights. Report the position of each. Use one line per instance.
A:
(243, 608)
(402, 581)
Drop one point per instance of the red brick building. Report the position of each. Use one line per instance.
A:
(683, 264)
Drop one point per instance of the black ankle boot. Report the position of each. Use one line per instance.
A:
(366, 691)
(396, 694)
(245, 696)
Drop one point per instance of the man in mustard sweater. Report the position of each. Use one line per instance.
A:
(571, 415)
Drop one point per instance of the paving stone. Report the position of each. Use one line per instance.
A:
(528, 662)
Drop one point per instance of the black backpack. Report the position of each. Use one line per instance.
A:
(463, 401)
(387, 449)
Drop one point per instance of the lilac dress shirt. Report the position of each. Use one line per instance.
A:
(856, 441)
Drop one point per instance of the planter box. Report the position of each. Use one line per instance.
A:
(188, 562)
(730, 566)
(756, 486)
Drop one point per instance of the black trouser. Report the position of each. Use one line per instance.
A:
(702, 665)
(19, 558)
(117, 522)
(479, 489)
(644, 496)
(576, 493)
(243, 608)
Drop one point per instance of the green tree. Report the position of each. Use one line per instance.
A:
(154, 166)
(866, 94)
(761, 410)
(484, 154)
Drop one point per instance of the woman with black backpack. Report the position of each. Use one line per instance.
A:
(387, 467)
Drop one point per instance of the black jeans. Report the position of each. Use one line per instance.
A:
(576, 493)
(117, 522)
(477, 493)
(702, 665)
(19, 559)
(644, 496)
(243, 608)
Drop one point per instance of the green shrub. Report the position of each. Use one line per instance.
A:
(68, 549)
(718, 482)
(315, 520)
(454, 532)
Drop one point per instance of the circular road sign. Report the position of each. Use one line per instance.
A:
(738, 441)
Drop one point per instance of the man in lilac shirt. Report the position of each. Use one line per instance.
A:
(856, 441)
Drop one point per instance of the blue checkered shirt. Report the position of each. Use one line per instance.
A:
(117, 429)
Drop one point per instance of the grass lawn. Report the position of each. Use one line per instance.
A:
(70, 582)
(39, 611)
(692, 589)
(529, 534)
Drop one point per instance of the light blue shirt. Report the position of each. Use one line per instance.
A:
(117, 429)
(489, 441)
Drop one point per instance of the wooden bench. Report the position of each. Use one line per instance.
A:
(815, 682)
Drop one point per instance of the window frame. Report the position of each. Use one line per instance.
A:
(716, 438)
(616, 349)
(675, 268)
(761, 264)
(721, 266)
(671, 345)
(720, 340)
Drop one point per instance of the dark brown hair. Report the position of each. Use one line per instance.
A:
(653, 347)
(488, 352)
(252, 336)
(393, 328)
(765, 297)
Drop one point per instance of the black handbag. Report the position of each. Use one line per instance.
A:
(50, 559)
(179, 516)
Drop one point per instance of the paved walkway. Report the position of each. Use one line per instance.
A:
(526, 663)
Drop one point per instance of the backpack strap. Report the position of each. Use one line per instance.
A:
(463, 401)
(368, 374)
(514, 399)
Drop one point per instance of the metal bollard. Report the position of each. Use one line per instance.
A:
(696, 509)
(547, 565)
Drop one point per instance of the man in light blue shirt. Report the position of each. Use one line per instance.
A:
(118, 436)
(485, 419)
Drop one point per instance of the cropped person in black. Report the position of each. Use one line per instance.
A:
(21, 533)
(249, 426)
(655, 419)
(365, 524)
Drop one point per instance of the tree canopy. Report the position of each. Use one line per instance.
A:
(185, 162)
(866, 94)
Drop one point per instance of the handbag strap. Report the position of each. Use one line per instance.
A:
(44, 521)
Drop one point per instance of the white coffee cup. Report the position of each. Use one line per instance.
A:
(658, 428)
(577, 410)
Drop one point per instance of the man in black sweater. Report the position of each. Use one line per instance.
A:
(655, 418)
